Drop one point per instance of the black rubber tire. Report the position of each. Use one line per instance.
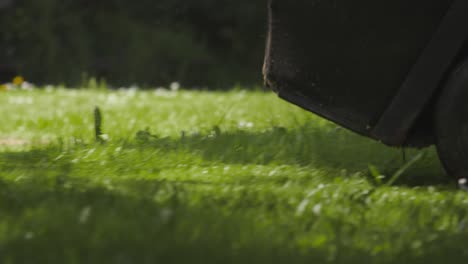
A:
(451, 123)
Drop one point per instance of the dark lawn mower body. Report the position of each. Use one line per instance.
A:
(377, 67)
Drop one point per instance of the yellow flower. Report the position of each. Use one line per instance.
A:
(3, 87)
(18, 80)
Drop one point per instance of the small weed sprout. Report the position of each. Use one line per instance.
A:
(378, 177)
(100, 136)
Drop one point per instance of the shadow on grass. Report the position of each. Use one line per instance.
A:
(324, 149)
(334, 150)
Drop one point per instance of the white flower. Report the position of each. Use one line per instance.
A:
(175, 86)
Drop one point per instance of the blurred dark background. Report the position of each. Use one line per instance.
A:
(200, 43)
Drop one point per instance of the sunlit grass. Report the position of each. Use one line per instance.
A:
(210, 177)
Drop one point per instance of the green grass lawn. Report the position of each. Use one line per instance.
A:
(212, 177)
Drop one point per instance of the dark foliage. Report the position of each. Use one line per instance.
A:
(197, 42)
